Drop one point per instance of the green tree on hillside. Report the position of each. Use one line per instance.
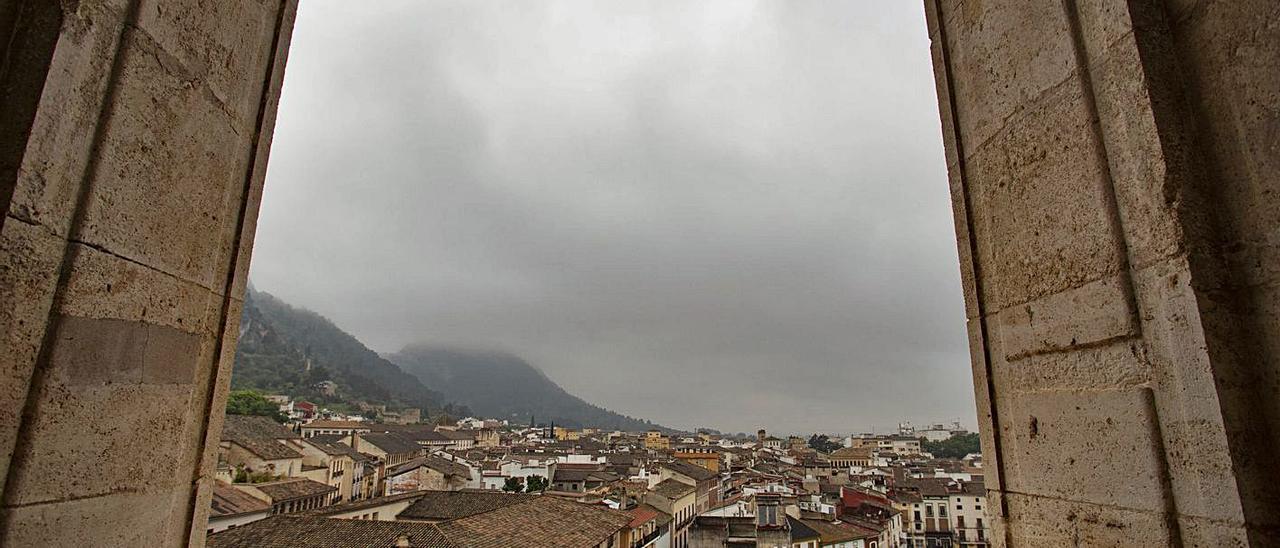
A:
(250, 402)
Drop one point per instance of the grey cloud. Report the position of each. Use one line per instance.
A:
(723, 214)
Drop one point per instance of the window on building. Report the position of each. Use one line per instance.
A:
(928, 510)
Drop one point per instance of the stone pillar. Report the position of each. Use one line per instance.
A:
(1115, 174)
(134, 149)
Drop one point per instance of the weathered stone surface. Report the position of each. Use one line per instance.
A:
(88, 441)
(1118, 165)
(1053, 523)
(170, 176)
(102, 285)
(59, 148)
(136, 519)
(29, 258)
(1145, 190)
(88, 351)
(134, 191)
(1082, 316)
(224, 43)
(1038, 196)
(1120, 364)
(1004, 57)
(1065, 445)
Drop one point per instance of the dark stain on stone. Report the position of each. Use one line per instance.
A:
(103, 351)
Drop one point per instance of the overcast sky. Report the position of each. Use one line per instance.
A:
(730, 214)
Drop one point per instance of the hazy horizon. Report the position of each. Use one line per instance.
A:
(726, 214)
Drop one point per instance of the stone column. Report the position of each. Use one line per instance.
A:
(1113, 167)
(132, 163)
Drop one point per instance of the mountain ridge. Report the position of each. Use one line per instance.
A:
(501, 384)
(289, 349)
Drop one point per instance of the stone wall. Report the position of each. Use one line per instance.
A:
(1113, 170)
(130, 200)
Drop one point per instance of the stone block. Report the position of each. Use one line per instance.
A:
(1066, 445)
(982, 399)
(1005, 54)
(116, 519)
(58, 148)
(170, 178)
(1196, 531)
(964, 247)
(105, 286)
(1051, 523)
(1094, 312)
(223, 43)
(1040, 202)
(29, 260)
(90, 351)
(1120, 364)
(1146, 191)
(1103, 23)
(102, 439)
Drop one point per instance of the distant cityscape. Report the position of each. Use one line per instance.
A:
(293, 472)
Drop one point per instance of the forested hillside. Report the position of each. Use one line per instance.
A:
(278, 341)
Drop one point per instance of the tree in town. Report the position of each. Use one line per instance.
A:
(513, 485)
(955, 447)
(537, 484)
(820, 442)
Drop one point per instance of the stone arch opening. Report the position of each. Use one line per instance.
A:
(1113, 166)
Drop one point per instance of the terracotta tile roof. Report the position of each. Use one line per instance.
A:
(540, 521)
(445, 505)
(293, 488)
(337, 424)
(837, 531)
(800, 531)
(641, 514)
(268, 449)
(564, 473)
(259, 435)
(229, 501)
(351, 506)
(444, 466)
(929, 487)
(693, 471)
(252, 426)
(413, 432)
(330, 444)
(293, 530)
(852, 453)
(672, 489)
(975, 488)
(390, 443)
